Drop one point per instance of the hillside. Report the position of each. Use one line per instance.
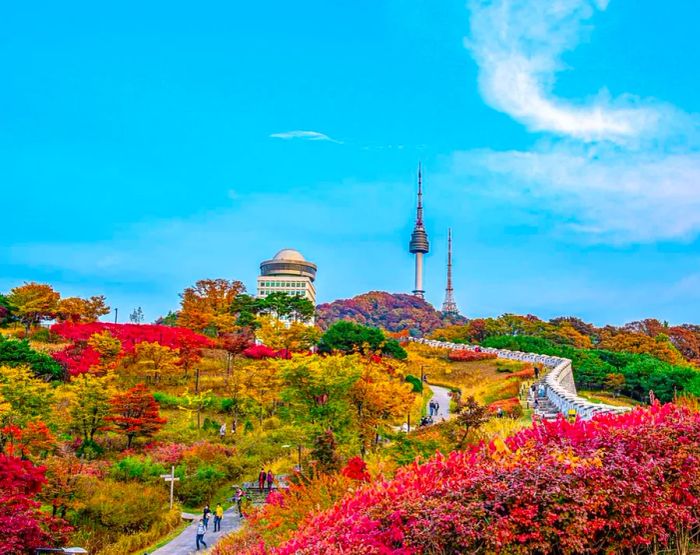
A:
(394, 312)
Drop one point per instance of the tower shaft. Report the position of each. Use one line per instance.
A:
(419, 240)
(449, 306)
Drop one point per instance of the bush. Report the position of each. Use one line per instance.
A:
(611, 485)
(470, 356)
(136, 468)
(19, 353)
(415, 382)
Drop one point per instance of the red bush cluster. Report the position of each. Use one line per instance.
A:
(23, 526)
(79, 357)
(132, 334)
(469, 356)
(258, 352)
(609, 485)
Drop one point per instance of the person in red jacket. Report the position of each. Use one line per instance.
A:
(262, 478)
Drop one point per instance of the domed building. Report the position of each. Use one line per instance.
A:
(288, 272)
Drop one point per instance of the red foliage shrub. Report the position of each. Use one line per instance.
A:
(258, 352)
(356, 469)
(23, 527)
(132, 334)
(511, 406)
(527, 373)
(77, 359)
(470, 356)
(608, 485)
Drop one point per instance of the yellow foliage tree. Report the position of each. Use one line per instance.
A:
(34, 302)
(378, 398)
(291, 336)
(154, 360)
(90, 404)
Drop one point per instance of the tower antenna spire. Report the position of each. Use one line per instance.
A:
(419, 209)
(449, 306)
(419, 239)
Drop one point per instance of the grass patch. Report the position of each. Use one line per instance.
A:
(605, 397)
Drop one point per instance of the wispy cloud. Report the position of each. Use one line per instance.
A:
(518, 46)
(620, 169)
(305, 135)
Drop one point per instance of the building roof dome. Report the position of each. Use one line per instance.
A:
(289, 254)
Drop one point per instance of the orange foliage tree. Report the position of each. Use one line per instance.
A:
(206, 307)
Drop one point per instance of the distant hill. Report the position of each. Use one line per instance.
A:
(391, 311)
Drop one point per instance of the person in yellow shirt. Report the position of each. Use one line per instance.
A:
(218, 515)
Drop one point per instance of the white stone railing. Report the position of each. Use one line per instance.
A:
(559, 381)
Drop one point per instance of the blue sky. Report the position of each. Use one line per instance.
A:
(143, 147)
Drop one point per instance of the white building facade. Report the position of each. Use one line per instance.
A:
(287, 272)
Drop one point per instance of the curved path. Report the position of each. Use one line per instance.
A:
(184, 544)
(560, 389)
(442, 396)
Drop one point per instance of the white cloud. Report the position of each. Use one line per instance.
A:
(635, 197)
(306, 135)
(621, 170)
(518, 46)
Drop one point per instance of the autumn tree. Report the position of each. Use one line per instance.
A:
(155, 360)
(325, 452)
(378, 397)
(206, 307)
(90, 405)
(75, 309)
(290, 336)
(615, 382)
(470, 416)
(27, 397)
(106, 345)
(34, 302)
(659, 346)
(135, 413)
(63, 473)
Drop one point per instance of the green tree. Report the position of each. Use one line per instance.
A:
(18, 353)
(317, 391)
(348, 337)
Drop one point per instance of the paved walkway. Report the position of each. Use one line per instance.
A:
(442, 396)
(184, 544)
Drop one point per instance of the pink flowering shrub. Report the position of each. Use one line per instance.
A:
(611, 485)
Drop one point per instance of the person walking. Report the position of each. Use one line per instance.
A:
(437, 408)
(218, 515)
(270, 479)
(201, 529)
(537, 372)
(238, 498)
(222, 431)
(206, 513)
(262, 477)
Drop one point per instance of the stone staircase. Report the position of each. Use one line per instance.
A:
(544, 409)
